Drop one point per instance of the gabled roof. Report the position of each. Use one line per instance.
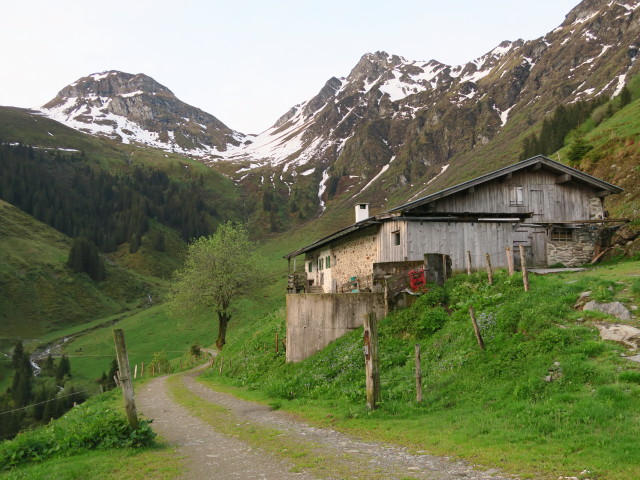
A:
(334, 236)
(538, 160)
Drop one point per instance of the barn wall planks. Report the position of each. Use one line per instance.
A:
(549, 201)
(453, 239)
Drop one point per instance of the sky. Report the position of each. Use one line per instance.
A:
(247, 62)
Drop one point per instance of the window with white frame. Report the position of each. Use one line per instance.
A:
(516, 196)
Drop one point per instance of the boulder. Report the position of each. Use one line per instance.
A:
(625, 334)
(615, 309)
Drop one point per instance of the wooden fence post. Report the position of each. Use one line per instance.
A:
(468, 262)
(510, 266)
(135, 372)
(475, 327)
(371, 360)
(525, 272)
(489, 271)
(418, 375)
(125, 378)
(141, 369)
(221, 363)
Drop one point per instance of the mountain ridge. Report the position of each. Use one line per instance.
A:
(399, 124)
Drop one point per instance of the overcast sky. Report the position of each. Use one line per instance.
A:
(245, 61)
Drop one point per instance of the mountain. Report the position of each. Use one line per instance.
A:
(392, 129)
(402, 122)
(137, 109)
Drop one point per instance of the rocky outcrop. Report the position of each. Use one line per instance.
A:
(137, 109)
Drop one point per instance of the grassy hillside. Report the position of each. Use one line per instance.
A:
(39, 293)
(547, 398)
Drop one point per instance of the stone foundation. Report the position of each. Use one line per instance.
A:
(578, 251)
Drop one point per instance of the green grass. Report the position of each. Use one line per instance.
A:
(159, 463)
(149, 331)
(93, 437)
(493, 408)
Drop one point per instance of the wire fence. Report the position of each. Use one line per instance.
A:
(45, 401)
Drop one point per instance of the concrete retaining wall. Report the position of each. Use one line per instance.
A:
(315, 320)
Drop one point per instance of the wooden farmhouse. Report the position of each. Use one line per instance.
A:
(556, 212)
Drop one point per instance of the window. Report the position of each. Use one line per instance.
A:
(310, 267)
(396, 237)
(516, 197)
(327, 261)
(320, 263)
(559, 234)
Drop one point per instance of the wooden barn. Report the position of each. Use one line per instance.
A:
(556, 212)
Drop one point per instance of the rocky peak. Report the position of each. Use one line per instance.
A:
(138, 109)
(111, 84)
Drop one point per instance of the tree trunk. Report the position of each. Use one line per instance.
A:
(223, 319)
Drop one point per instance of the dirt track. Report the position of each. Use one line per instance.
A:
(209, 454)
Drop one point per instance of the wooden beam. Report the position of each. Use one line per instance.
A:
(603, 193)
(506, 177)
(536, 167)
(563, 178)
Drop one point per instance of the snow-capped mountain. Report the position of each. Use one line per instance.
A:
(137, 109)
(391, 124)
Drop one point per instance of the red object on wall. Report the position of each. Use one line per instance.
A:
(417, 278)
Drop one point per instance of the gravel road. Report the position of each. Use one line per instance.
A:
(209, 454)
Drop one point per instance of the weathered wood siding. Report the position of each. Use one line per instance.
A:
(387, 250)
(453, 239)
(548, 200)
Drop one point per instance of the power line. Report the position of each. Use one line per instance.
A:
(41, 403)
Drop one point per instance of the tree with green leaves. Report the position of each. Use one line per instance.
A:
(218, 270)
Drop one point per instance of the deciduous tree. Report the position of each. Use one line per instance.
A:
(218, 270)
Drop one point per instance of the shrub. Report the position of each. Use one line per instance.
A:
(160, 364)
(88, 426)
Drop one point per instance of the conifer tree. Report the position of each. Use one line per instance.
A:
(625, 97)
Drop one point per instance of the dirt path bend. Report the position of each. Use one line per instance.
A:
(213, 455)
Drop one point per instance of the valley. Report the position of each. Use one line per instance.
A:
(104, 187)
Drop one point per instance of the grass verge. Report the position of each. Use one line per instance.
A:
(547, 398)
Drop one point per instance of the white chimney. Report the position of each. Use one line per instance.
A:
(362, 211)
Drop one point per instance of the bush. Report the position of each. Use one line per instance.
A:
(86, 427)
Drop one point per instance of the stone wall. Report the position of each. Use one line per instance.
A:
(576, 252)
(354, 257)
(315, 320)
